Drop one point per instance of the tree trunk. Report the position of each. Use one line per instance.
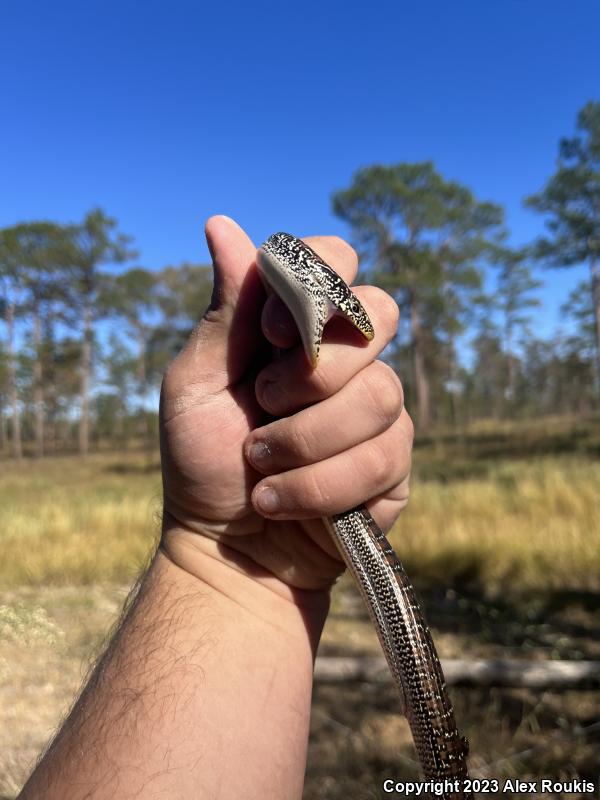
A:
(512, 377)
(595, 273)
(142, 380)
(86, 369)
(38, 389)
(141, 365)
(421, 380)
(119, 429)
(2, 427)
(453, 376)
(537, 674)
(17, 449)
(50, 431)
(510, 369)
(50, 392)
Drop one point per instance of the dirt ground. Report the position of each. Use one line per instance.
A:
(50, 637)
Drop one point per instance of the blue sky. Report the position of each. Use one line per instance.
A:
(164, 113)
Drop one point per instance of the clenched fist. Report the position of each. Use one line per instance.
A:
(256, 449)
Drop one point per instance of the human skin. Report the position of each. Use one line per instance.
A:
(205, 690)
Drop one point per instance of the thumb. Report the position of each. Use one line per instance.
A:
(232, 253)
(223, 343)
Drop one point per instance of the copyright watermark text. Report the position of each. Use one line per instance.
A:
(487, 786)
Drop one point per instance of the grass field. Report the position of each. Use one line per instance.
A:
(516, 506)
(501, 537)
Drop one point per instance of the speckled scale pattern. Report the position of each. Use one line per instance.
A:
(319, 280)
(375, 567)
(407, 644)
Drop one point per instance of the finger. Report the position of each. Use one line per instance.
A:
(385, 509)
(225, 340)
(337, 483)
(277, 323)
(366, 406)
(232, 252)
(289, 383)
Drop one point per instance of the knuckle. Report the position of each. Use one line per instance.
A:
(387, 464)
(401, 493)
(385, 391)
(390, 314)
(376, 463)
(299, 440)
(405, 492)
(313, 493)
(409, 426)
(320, 381)
(346, 250)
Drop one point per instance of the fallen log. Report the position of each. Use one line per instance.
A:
(469, 672)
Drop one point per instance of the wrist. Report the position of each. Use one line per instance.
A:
(239, 579)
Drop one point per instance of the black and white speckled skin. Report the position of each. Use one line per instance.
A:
(321, 286)
(407, 645)
(308, 285)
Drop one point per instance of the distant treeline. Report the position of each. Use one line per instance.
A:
(67, 380)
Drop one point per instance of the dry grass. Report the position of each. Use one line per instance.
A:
(507, 518)
(51, 634)
(482, 513)
(70, 522)
(528, 524)
(49, 637)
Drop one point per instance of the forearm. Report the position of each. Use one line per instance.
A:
(204, 692)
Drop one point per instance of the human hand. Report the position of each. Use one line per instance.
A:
(342, 436)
